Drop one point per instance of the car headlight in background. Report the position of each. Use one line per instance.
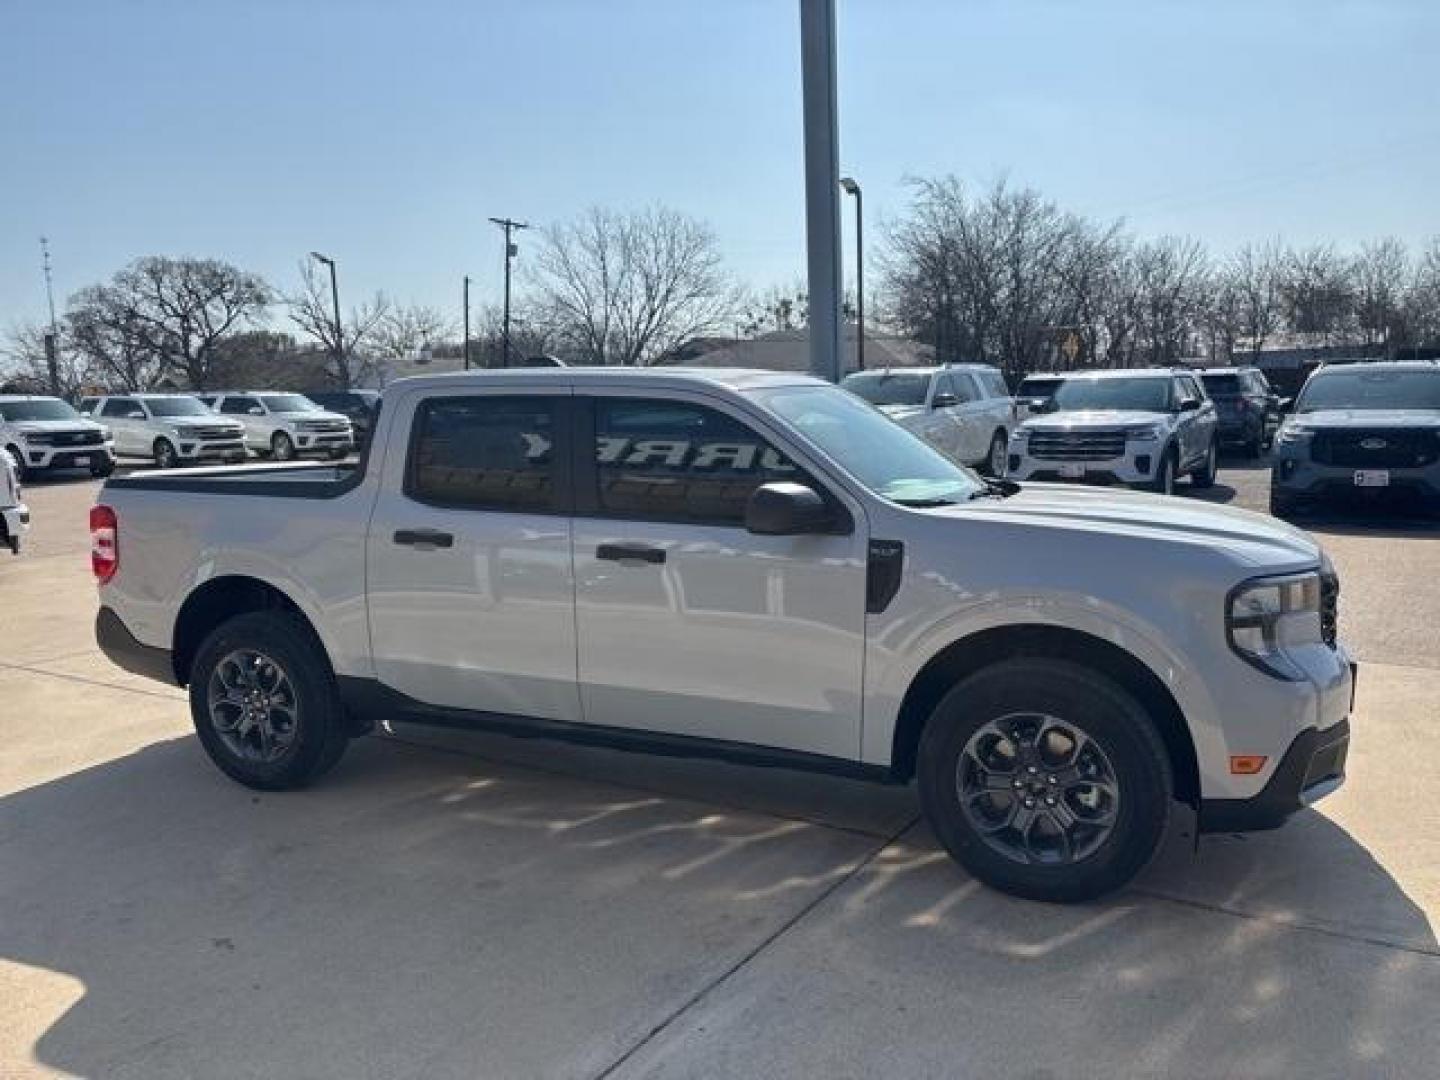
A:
(1145, 433)
(1290, 434)
(1265, 617)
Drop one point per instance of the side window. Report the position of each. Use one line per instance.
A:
(237, 405)
(1187, 389)
(118, 407)
(994, 384)
(673, 461)
(87, 405)
(485, 453)
(966, 389)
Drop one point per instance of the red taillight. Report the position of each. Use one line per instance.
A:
(104, 543)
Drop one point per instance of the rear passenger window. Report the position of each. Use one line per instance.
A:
(994, 384)
(118, 407)
(672, 461)
(485, 453)
(236, 405)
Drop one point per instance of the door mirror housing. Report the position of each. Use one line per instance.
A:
(944, 401)
(134, 414)
(783, 508)
(1189, 404)
(255, 410)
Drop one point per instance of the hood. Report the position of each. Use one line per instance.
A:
(1367, 418)
(1257, 539)
(327, 415)
(35, 427)
(187, 422)
(1092, 418)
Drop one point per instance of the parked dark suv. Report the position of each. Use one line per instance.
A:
(1249, 409)
(359, 405)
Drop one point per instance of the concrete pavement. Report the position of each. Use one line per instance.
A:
(462, 905)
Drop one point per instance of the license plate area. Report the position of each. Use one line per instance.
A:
(82, 459)
(1072, 470)
(1372, 478)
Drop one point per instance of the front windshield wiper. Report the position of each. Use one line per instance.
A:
(1001, 489)
(924, 504)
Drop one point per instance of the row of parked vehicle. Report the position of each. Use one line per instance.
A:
(1143, 428)
(40, 434)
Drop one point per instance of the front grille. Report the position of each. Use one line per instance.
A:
(1329, 608)
(213, 433)
(330, 427)
(1077, 445)
(65, 438)
(1377, 448)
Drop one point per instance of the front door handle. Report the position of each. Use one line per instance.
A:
(630, 553)
(424, 539)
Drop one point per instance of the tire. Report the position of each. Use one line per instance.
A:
(17, 459)
(337, 455)
(1204, 476)
(997, 458)
(1281, 507)
(282, 448)
(304, 740)
(1255, 445)
(1164, 481)
(1123, 768)
(165, 454)
(103, 468)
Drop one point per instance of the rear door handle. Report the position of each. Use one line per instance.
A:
(424, 539)
(630, 553)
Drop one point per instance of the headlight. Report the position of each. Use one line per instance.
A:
(1293, 433)
(1147, 433)
(1267, 616)
(106, 434)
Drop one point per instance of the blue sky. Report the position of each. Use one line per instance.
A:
(385, 133)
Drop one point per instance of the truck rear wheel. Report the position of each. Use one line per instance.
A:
(264, 702)
(1045, 779)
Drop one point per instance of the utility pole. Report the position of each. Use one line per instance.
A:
(467, 322)
(511, 250)
(52, 339)
(822, 184)
(852, 188)
(340, 368)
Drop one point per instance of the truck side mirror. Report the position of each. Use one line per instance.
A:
(255, 410)
(783, 508)
(1189, 404)
(944, 401)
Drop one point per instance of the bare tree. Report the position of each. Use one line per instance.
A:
(25, 362)
(1251, 283)
(1317, 293)
(116, 342)
(1381, 277)
(403, 330)
(624, 288)
(312, 311)
(1170, 274)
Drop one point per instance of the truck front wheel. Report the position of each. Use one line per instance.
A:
(1045, 779)
(264, 702)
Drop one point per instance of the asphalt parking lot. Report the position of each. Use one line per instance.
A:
(472, 906)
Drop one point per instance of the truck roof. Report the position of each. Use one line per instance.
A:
(730, 378)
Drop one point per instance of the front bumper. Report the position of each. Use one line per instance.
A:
(1136, 466)
(1296, 482)
(226, 450)
(323, 443)
(14, 524)
(42, 458)
(1312, 767)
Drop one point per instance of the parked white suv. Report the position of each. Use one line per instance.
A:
(169, 429)
(1141, 427)
(285, 425)
(44, 433)
(14, 514)
(751, 566)
(964, 410)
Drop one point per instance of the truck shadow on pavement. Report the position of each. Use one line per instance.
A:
(482, 908)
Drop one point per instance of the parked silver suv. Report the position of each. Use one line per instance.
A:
(169, 429)
(285, 425)
(1143, 428)
(963, 410)
(1362, 433)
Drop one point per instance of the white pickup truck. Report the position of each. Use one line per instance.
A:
(14, 514)
(749, 566)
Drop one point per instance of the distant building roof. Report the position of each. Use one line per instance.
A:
(789, 350)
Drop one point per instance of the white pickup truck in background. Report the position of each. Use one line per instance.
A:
(752, 566)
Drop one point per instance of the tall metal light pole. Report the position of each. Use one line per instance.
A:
(511, 250)
(852, 188)
(52, 339)
(822, 176)
(467, 322)
(335, 300)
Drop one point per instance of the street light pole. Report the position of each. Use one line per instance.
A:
(335, 301)
(467, 322)
(852, 188)
(511, 250)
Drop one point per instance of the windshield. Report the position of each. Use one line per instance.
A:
(883, 388)
(879, 453)
(289, 403)
(1371, 390)
(41, 409)
(175, 406)
(1142, 394)
(1222, 384)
